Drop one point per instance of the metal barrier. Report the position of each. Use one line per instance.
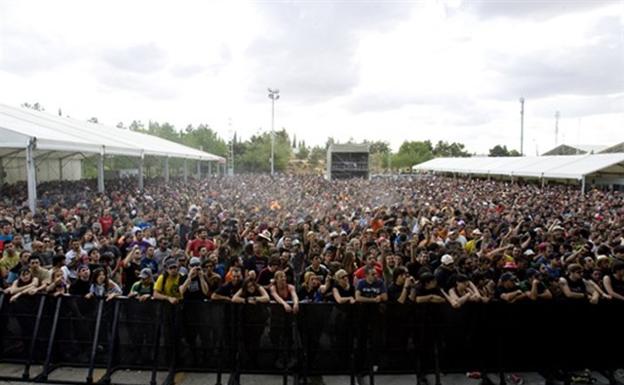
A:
(322, 339)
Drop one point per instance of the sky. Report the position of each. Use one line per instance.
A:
(394, 70)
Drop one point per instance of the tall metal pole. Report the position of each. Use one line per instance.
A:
(522, 126)
(273, 95)
(231, 163)
(272, 136)
(557, 128)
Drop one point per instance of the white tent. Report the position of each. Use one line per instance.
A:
(33, 134)
(568, 167)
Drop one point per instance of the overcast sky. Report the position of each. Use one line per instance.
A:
(393, 70)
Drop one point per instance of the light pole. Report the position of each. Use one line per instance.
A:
(521, 126)
(273, 95)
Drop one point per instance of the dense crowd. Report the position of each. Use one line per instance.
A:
(290, 240)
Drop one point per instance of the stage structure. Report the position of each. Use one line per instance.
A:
(348, 161)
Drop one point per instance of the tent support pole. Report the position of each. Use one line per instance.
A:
(199, 169)
(141, 161)
(583, 185)
(209, 168)
(167, 170)
(100, 175)
(185, 171)
(1, 173)
(60, 170)
(31, 176)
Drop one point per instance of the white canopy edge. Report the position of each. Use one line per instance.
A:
(550, 167)
(55, 133)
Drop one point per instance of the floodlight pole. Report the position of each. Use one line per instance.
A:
(521, 126)
(273, 95)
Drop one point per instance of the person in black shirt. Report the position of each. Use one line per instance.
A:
(534, 286)
(227, 291)
(402, 285)
(195, 286)
(427, 290)
(508, 289)
(81, 285)
(614, 282)
(266, 275)
(573, 286)
(343, 291)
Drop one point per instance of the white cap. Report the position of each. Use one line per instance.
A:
(446, 260)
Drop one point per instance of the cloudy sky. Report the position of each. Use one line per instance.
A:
(393, 70)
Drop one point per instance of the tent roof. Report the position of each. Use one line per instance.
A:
(67, 135)
(551, 167)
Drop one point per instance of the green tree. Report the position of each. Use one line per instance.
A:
(412, 152)
(499, 150)
(35, 106)
(203, 137)
(257, 152)
(317, 153)
(302, 153)
(445, 149)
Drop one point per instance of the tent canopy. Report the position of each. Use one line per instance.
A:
(550, 167)
(66, 136)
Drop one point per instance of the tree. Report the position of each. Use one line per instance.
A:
(257, 152)
(445, 149)
(35, 106)
(413, 152)
(317, 154)
(294, 141)
(302, 153)
(499, 150)
(136, 125)
(203, 137)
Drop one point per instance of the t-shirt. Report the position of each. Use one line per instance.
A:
(394, 292)
(170, 287)
(344, 293)
(7, 262)
(361, 272)
(80, 287)
(229, 289)
(151, 263)
(194, 290)
(130, 275)
(371, 290)
(197, 244)
(265, 277)
(141, 289)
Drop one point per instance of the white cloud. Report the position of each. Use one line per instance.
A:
(438, 70)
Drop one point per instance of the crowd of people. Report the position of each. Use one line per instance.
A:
(293, 240)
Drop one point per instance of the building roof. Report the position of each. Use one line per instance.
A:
(349, 147)
(550, 167)
(65, 137)
(576, 149)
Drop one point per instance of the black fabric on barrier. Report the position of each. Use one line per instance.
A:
(321, 339)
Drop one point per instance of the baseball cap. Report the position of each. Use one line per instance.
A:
(446, 260)
(146, 272)
(195, 262)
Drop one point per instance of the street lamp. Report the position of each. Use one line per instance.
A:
(273, 95)
(521, 126)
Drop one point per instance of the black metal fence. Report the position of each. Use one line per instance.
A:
(322, 339)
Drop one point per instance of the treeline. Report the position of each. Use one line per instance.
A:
(253, 154)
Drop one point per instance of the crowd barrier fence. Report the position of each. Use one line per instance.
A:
(321, 339)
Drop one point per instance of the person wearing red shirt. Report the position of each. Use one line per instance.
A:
(192, 248)
(106, 221)
(371, 261)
